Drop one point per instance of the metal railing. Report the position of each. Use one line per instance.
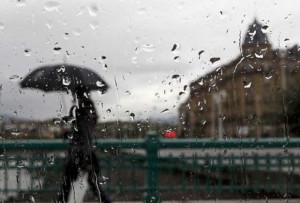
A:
(156, 169)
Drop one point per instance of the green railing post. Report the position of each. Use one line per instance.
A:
(152, 146)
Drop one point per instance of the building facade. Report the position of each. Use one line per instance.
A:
(246, 97)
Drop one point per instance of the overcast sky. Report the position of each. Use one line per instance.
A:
(137, 38)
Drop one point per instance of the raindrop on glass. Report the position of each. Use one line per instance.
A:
(268, 76)
(51, 6)
(56, 121)
(176, 58)
(103, 180)
(165, 111)
(174, 47)
(15, 132)
(99, 84)
(14, 78)
(264, 28)
(51, 160)
(49, 24)
(66, 35)
(200, 52)
(175, 76)
(77, 31)
(93, 10)
(27, 52)
(66, 81)
(132, 116)
(70, 135)
(214, 59)
(108, 111)
(21, 3)
(20, 164)
(259, 55)
(145, 48)
(94, 25)
(247, 84)
(61, 69)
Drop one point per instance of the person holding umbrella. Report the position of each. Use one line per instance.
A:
(82, 158)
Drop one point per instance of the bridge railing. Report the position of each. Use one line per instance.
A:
(156, 169)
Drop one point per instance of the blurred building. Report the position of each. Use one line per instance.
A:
(246, 97)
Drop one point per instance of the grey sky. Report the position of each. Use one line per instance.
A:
(137, 38)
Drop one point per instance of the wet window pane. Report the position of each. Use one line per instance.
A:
(123, 101)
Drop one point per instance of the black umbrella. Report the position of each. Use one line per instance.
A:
(64, 77)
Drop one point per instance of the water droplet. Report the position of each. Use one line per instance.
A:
(94, 25)
(128, 93)
(259, 55)
(51, 160)
(21, 3)
(145, 48)
(14, 78)
(108, 111)
(103, 180)
(268, 76)
(176, 58)
(134, 60)
(93, 10)
(66, 35)
(104, 66)
(165, 111)
(70, 134)
(49, 24)
(51, 6)
(247, 84)
(132, 116)
(57, 48)
(66, 81)
(2, 26)
(214, 59)
(15, 132)
(77, 31)
(20, 164)
(27, 52)
(99, 84)
(176, 48)
(200, 52)
(264, 28)
(175, 76)
(61, 69)
(286, 39)
(56, 121)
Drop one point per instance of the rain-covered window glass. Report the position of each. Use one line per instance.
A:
(149, 101)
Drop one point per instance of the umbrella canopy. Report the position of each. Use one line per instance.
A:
(64, 77)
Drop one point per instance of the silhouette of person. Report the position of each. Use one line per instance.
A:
(82, 157)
